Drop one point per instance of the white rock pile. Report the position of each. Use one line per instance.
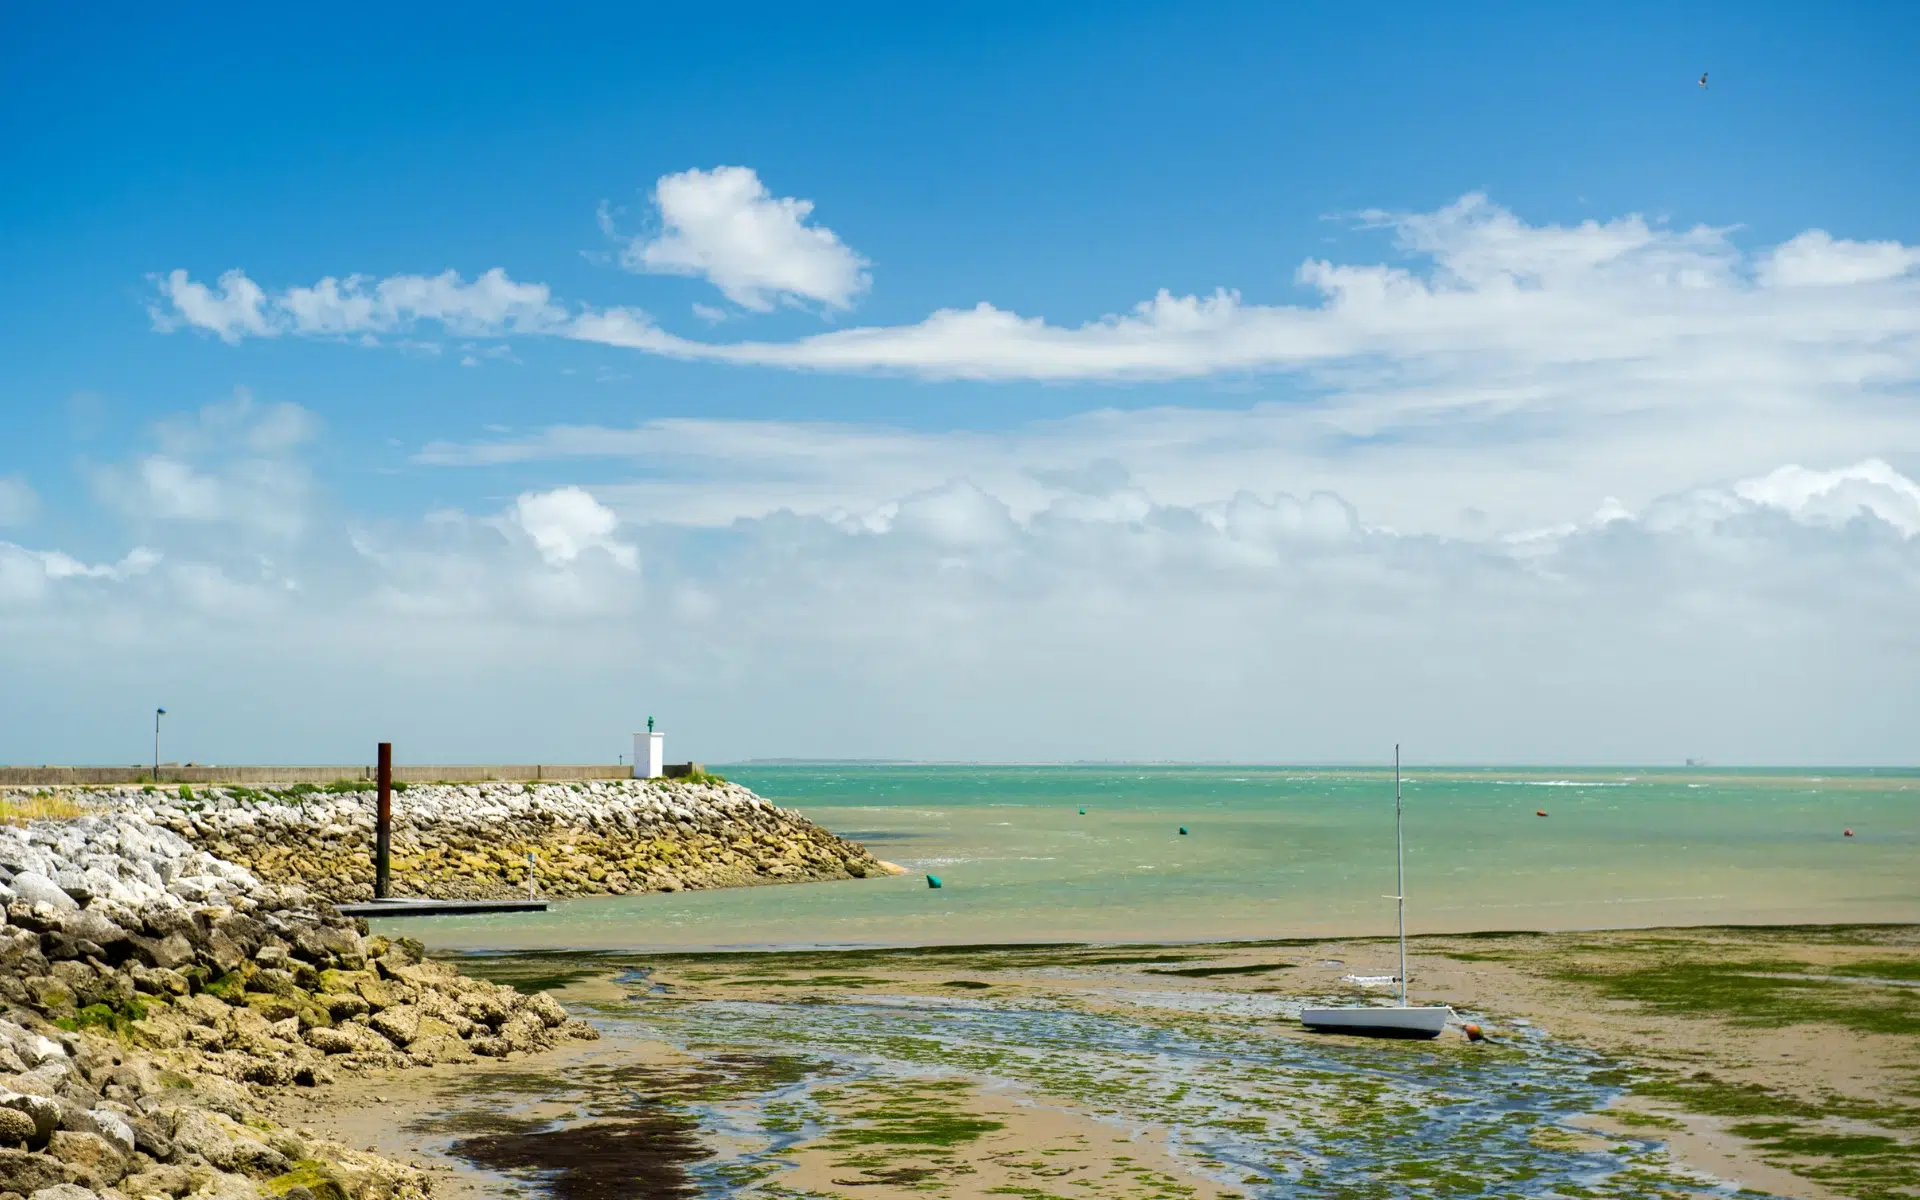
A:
(117, 860)
(153, 991)
(473, 840)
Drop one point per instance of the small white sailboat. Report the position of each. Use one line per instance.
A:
(1402, 1020)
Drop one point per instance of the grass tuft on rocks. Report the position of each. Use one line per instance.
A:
(37, 806)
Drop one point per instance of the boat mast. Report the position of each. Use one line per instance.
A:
(1400, 874)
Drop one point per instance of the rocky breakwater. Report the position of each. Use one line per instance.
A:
(156, 997)
(472, 841)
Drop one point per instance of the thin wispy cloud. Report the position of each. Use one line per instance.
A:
(18, 501)
(32, 578)
(1625, 294)
(230, 469)
(491, 305)
(1570, 476)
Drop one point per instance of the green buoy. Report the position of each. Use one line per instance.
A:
(1183, 831)
(933, 881)
(1083, 812)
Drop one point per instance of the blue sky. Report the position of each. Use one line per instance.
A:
(671, 477)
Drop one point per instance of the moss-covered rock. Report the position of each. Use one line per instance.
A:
(316, 1177)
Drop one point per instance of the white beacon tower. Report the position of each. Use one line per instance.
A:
(649, 753)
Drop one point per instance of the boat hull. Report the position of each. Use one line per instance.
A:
(1425, 1022)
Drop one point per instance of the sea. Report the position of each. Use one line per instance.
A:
(1119, 853)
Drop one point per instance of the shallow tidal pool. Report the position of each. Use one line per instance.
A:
(735, 1080)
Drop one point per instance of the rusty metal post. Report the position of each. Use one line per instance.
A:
(383, 823)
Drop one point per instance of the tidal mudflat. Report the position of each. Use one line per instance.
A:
(1678, 1063)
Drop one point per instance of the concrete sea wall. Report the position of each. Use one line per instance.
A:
(254, 776)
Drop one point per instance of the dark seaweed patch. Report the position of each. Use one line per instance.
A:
(475, 1123)
(643, 1156)
(879, 1175)
(639, 1135)
(533, 971)
(1210, 972)
(718, 1077)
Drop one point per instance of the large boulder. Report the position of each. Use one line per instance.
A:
(398, 1024)
(342, 1005)
(116, 1129)
(158, 1181)
(325, 945)
(310, 1179)
(223, 1186)
(43, 1111)
(32, 1048)
(20, 952)
(345, 1039)
(172, 951)
(27, 1173)
(485, 1007)
(31, 887)
(92, 926)
(89, 1153)
(225, 1143)
(16, 1127)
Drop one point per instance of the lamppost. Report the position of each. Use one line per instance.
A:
(157, 714)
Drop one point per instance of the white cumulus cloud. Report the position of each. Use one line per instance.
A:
(1818, 259)
(724, 226)
(567, 522)
(236, 310)
(1867, 489)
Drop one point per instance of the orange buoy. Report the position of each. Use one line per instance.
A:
(1474, 1032)
(1539, 812)
(1848, 833)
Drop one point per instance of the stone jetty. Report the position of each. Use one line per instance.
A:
(155, 995)
(472, 841)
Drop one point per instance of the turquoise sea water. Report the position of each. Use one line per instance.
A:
(1282, 852)
(1270, 853)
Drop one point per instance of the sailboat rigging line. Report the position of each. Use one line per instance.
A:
(1402, 1020)
(1400, 874)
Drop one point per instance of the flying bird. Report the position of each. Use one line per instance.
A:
(1703, 79)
